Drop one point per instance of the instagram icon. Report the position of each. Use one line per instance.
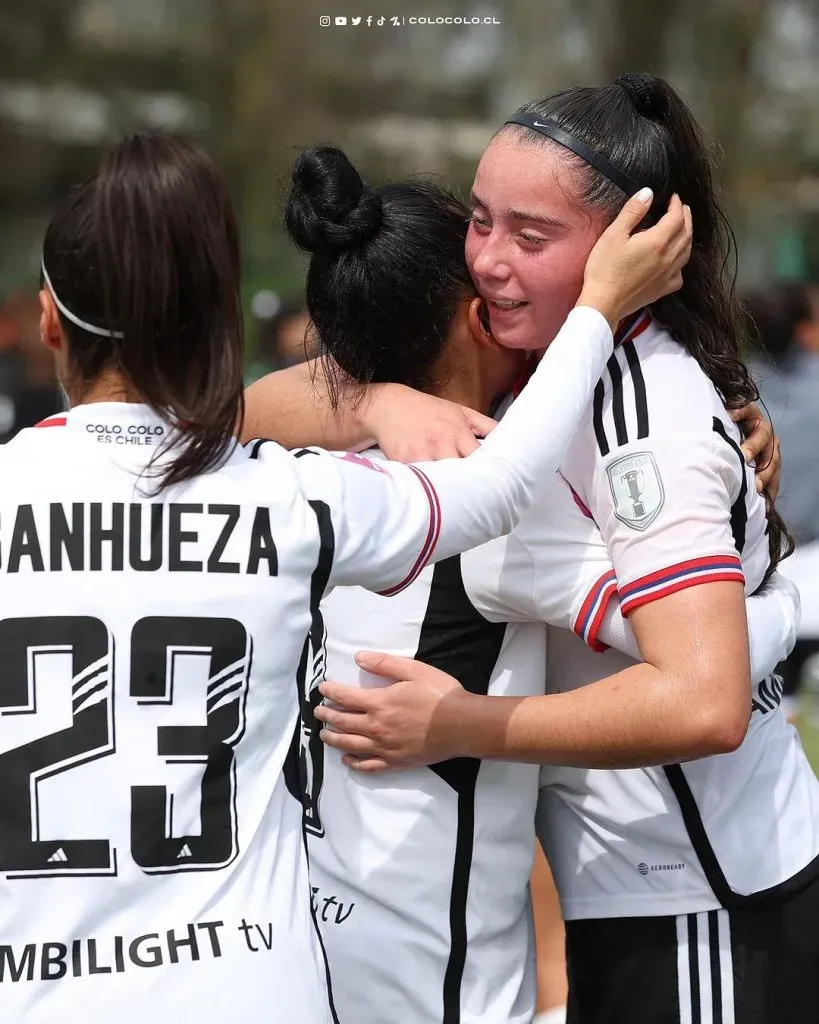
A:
(324, 21)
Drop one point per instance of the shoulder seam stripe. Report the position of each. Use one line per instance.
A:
(639, 384)
(254, 447)
(617, 406)
(599, 429)
(739, 510)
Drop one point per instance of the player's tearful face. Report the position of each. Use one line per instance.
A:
(528, 240)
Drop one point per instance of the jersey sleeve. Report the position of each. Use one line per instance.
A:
(668, 508)
(390, 520)
(555, 568)
(386, 517)
(773, 619)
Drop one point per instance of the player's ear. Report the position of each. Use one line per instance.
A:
(51, 332)
(478, 317)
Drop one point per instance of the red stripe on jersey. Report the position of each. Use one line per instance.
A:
(431, 539)
(360, 460)
(595, 624)
(581, 504)
(525, 374)
(632, 327)
(692, 565)
(709, 569)
(590, 617)
(627, 607)
(52, 421)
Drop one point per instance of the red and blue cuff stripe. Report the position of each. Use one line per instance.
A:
(431, 538)
(710, 569)
(592, 611)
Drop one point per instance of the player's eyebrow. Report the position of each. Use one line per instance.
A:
(532, 218)
(538, 218)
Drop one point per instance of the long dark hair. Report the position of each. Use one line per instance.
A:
(644, 127)
(387, 270)
(149, 247)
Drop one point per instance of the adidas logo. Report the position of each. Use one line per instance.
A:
(184, 852)
(58, 857)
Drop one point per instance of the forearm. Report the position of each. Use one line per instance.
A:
(483, 496)
(293, 407)
(633, 719)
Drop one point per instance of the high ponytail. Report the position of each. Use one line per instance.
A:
(642, 126)
(147, 251)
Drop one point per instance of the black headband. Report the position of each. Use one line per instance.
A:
(597, 160)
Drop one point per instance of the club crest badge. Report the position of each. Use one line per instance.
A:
(637, 489)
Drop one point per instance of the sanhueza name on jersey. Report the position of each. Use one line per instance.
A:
(143, 536)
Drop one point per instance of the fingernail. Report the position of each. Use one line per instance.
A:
(644, 196)
(748, 456)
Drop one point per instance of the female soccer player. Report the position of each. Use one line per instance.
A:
(668, 876)
(421, 887)
(161, 581)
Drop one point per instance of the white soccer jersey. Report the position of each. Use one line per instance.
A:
(659, 468)
(152, 852)
(420, 878)
(151, 820)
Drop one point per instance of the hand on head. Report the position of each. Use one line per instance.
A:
(629, 268)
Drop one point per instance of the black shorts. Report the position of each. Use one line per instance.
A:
(757, 966)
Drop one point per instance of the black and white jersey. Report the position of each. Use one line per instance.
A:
(420, 878)
(658, 466)
(153, 647)
(152, 851)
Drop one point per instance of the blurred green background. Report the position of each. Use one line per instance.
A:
(257, 79)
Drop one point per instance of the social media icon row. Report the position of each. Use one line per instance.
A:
(340, 20)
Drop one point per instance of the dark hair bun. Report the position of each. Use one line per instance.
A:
(329, 207)
(646, 94)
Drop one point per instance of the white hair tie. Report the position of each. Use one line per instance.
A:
(101, 332)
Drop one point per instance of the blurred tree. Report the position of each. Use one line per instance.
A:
(257, 79)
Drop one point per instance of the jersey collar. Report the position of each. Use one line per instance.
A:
(631, 327)
(628, 329)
